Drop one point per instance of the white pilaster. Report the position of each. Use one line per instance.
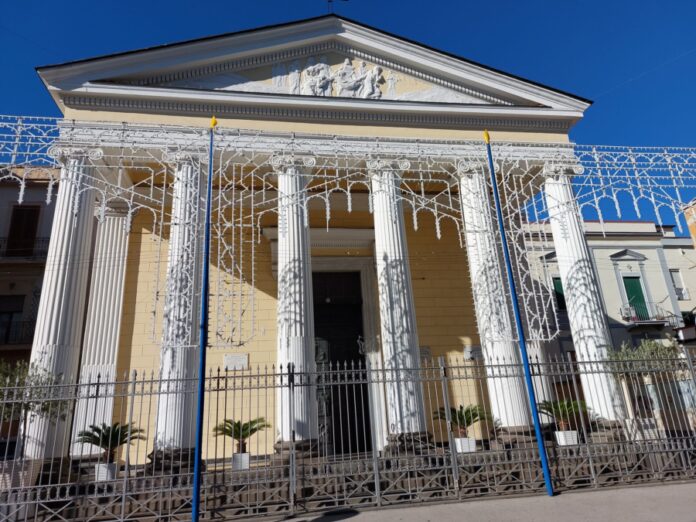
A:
(178, 366)
(295, 308)
(399, 335)
(506, 389)
(58, 335)
(586, 316)
(103, 327)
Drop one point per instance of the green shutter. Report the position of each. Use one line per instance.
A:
(634, 294)
(558, 290)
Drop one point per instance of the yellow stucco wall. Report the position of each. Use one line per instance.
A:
(441, 286)
(442, 294)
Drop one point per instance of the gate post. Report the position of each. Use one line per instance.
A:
(131, 407)
(375, 459)
(448, 417)
(292, 460)
(576, 392)
(690, 364)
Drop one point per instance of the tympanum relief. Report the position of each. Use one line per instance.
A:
(330, 75)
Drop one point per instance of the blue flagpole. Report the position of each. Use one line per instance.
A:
(203, 336)
(518, 321)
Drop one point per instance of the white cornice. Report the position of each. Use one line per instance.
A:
(420, 57)
(161, 59)
(287, 107)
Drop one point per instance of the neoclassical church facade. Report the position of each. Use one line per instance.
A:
(353, 220)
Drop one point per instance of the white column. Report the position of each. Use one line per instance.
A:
(103, 326)
(58, 335)
(504, 379)
(586, 316)
(178, 359)
(399, 335)
(295, 308)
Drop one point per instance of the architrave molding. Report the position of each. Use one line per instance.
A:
(321, 238)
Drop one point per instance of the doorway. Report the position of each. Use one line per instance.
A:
(342, 394)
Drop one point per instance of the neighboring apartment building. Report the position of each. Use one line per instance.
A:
(24, 235)
(647, 277)
(690, 216)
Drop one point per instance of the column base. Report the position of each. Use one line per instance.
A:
(517, 436)
(413, 443)
(607, 431)
(173, 460)
(304, 449)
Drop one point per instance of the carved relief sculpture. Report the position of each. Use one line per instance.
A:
(345, 79)
(294, 78)
(315, 76)
(361, 83)
(391, 84)
(370, 84)
(279, 73)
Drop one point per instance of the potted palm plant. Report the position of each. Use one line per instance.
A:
(462, 419)
(109, 438)
(240, 432)
(565, 413)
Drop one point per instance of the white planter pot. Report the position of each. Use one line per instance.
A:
(465, 444)
(567, 438)
(240, 461)
(105, 472)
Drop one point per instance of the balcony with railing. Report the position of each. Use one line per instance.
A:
(17, 332)
(648, 314)
(32, 249)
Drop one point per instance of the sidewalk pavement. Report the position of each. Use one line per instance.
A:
(653, 503)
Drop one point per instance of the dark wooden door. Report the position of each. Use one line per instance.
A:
(338, 329)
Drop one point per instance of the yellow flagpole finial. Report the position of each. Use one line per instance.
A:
(486, 136)
(213, 122)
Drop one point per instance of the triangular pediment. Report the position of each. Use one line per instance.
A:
(327, 63)
(627, 255)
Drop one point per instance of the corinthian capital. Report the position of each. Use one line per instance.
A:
(556, 169)
(470, 166)
(388, 164)
(280, 162)
(64, 153)
(179, 156)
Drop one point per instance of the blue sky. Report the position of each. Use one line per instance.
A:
(635, 59)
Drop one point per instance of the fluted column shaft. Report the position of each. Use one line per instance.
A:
(504, 379)
(399, 335)
(295, 308)
(103, 327)
(178, 367)
(586, 316)
(58, 335)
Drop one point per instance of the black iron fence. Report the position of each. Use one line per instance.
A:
(104, 464)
